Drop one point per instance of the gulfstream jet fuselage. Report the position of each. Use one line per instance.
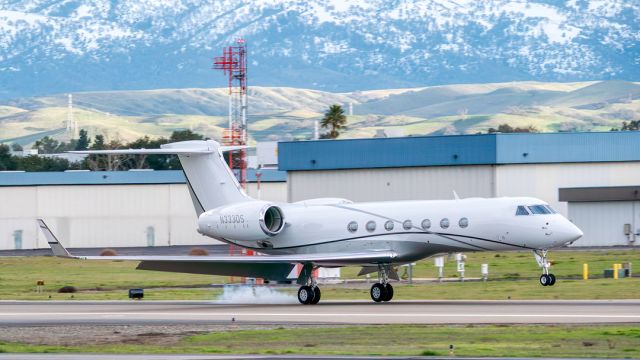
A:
(331, 232)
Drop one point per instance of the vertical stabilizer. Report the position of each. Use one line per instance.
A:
(211, 183)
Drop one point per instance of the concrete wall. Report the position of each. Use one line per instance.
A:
(544, 180)
(107, 215)
(603, 222)
(419, 183)
(536, 180)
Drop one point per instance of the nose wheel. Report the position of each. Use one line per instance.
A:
(382, 291)
(546, 279)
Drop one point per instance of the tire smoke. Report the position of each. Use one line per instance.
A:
(251, 294)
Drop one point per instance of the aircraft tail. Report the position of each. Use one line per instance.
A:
(211, 183)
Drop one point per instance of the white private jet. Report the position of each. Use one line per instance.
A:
(332, 232)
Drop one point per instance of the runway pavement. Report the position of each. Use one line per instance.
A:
(242, 357)
(327, 312)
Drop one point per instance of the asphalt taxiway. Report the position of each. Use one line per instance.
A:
(327, 312)
(245, 357)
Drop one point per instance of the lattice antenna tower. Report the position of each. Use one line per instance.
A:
(70, 123)
(233, 63)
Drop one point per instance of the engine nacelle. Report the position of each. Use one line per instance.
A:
(249, 221)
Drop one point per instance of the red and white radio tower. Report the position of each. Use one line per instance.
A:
(234, 64)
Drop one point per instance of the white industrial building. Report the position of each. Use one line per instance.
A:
(493, 165)
(592, 178)
(109, 208)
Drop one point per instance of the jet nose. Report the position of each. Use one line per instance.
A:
(574, 233)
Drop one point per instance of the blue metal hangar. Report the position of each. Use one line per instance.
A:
(593, 178)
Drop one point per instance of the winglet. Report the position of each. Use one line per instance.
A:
(56, 247)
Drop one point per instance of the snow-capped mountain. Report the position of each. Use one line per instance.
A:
(49, 46)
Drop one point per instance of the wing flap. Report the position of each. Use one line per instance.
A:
(271, 271)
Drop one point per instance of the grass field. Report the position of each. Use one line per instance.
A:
(512, 275)
(496, 341)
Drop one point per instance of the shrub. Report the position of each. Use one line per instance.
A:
(108, 252)
(198, 252)
(67, 289)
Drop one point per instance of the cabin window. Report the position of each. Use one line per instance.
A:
(388, 225)
(407, 225)
(371, 226)
(464, 222)
(444, 223)
(353, 226)
(539, 210)
(522, 211)
(426, 224)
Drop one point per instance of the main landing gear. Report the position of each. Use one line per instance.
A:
(382, 290)
(309, 293)
(546, 279)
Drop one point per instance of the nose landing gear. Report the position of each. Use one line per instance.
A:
(546, 279)
(382, 290)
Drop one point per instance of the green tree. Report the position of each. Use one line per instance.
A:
(47, 145)
(335, 120)
(506, 128)
(98, 143)
(633, 125)
(7, 161)
(83, 140)
(42, 163)
(184, 135)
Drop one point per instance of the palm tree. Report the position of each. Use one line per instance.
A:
(335, 119)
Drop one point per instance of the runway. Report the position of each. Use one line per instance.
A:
(327, 312)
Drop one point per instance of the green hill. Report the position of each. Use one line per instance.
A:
(281, 113)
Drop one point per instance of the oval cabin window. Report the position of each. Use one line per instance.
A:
(371, 226)
(407, 225)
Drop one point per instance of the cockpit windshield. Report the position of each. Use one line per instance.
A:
(534, 210)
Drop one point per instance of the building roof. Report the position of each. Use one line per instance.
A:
(485, 149)
(9, 178)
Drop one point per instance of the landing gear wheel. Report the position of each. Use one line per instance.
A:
(378, 292)
(389, 290)
(545, 280)
(305, 295)
(552, 279)
(316, 295)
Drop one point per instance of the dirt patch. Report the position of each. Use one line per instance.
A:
(78, 335)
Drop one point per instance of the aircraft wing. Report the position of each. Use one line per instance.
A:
(273, 267)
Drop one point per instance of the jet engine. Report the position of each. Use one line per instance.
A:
(250, 221)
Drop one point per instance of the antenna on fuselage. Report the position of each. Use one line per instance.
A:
(455, 195)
